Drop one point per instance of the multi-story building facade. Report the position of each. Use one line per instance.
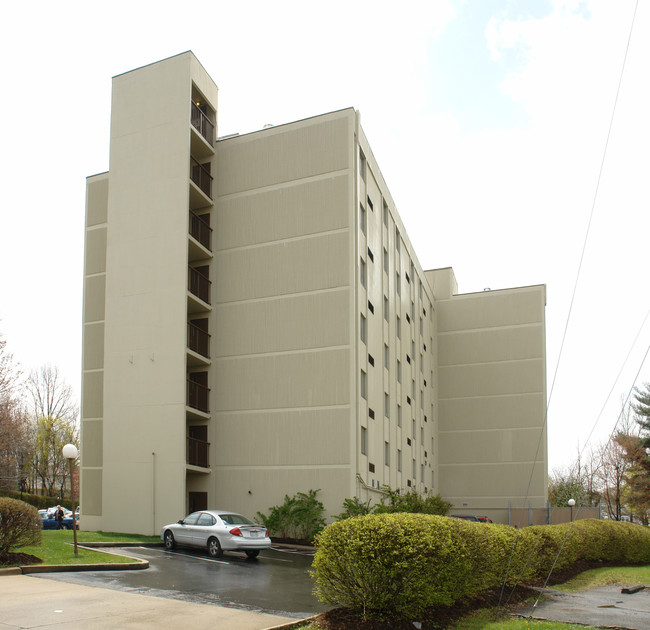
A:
(256, 323)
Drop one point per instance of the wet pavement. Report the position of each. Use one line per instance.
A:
(276, 583)
(604, 607)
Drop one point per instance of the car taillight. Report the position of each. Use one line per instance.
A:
(266, 533)
(236, 531)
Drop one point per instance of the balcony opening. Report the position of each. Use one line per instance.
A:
(198, 338)
(201, 119)
(198, 392)
(197, 501)
(200, 175)
(200, 229)
(199, 282)
(198, 447)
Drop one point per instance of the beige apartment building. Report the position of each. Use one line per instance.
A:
(256, 323)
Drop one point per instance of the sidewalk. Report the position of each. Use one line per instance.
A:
(31, 602)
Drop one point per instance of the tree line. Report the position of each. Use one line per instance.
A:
(38, 415)
(616, 473)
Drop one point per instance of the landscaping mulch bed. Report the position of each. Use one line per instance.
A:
(18, 559)
(433, 619)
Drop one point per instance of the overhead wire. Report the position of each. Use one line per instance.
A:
(577, 279)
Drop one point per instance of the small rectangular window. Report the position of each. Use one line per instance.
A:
(363, 328)
(399, 415)
(386, 308)
(385, 213)
(421, 361)
(408, 317)
(408, 483)
(371, 308)
(362, 272)
(362, 218)
(371, 360)
(399, 371)
(413, 435)
(371, 414)
(386, 357)
(408, 278)
(398, 283)
(362, 165)
(371, 255)
(386, 260)
(386, 454)
(399, 460)
(420, 289)
(364, 441)
(371, 468)
(386, 405)
(364, 385)
(398, 238)
(370, 204)
(398, 327)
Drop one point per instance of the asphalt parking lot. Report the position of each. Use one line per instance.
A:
(276, 583)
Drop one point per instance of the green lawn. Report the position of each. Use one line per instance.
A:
(608, 575)
(56, 547)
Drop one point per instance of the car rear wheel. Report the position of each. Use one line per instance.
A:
(170, 543)
(253, 553)
(214, 548)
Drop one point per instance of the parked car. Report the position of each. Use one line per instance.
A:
(466, 517)
(485, 519)
(217, 531)
(49, 522)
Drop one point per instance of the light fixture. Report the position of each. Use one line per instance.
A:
(70, 452)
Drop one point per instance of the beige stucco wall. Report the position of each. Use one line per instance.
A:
(282, 342)
(492, 396)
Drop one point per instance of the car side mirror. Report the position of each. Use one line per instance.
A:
(180, 522)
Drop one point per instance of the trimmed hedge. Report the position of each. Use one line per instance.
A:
(20, 525)
(398, 565)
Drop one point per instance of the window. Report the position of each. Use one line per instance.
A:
(408, 279)
(371, 255)
(364, 441)
(398, 238)
(386, 454)
(420, 289)
(362, 165)
(385, 213)
(422, 436)
(413, 389)
(408, 317)
(362, 218)
(385, 308)
(399, 460)
(413, 428)
(386, 357)
(370, 204)
(364, 385)
(371, 360)
(385, 260)
(371, 308)
(362, 272)
(398, 283)
(398, 327)
(399, 415)
(421, 362)
(371, 414)
(386, 405)
(371, 468)
(399, 371)
(363, 328)
(422, 399)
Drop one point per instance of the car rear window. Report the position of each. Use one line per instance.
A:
(235, 519)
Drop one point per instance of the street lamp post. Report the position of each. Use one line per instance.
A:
(571, 503)
(70, 452)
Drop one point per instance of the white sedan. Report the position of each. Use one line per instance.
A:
(218, 531)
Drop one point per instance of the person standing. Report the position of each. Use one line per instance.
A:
(59, 517)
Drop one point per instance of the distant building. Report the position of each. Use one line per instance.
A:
(256, 323)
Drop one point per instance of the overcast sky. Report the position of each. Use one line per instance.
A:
(489, 120)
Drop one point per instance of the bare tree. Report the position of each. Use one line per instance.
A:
(15, 427)
(56, 417)
(51, 395)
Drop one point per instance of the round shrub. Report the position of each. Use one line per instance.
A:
(20, 525)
